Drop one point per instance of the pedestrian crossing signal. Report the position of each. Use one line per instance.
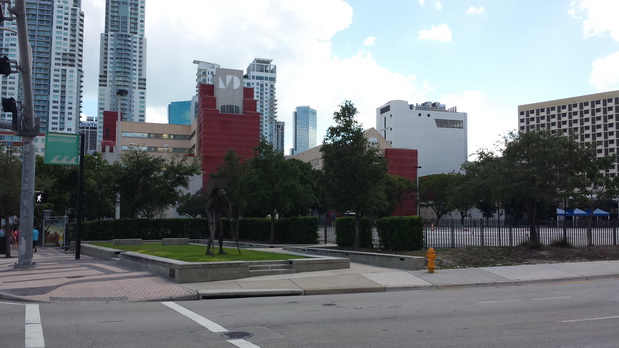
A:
(40, 197)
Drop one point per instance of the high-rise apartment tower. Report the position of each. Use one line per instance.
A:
(122, 66)
(56, 35)
(261, 76)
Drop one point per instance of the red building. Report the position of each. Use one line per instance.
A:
(403, 162)
(227, 120)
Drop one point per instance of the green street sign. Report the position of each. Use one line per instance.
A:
(62, 148)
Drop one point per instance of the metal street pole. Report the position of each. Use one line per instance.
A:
(26, 218)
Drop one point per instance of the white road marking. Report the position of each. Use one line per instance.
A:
(211, 326)
(528, 299)
(550, 298)
(34, 329)
(589, 319)
(243, 344)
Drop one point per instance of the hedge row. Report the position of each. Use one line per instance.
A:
(400, 232)
(345, 232)
(296, 230)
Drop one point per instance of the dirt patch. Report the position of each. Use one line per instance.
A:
(507, 256)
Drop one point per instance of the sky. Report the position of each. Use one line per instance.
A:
(484, 57)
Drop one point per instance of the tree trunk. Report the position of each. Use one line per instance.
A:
(357, 230)
(273, 228)
(533, 237)
(589, 226)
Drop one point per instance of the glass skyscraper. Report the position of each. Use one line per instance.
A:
(122, 69)
(180, 112)
(304, 119)
(56, 35)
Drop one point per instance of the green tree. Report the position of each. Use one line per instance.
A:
(595, 184)
(462, 196)
(10, 181)
(232, 170)
(534, 170)
(435, 192)
(148, 184)
(398, 190)
(192, 205)
(355, 171)
(273, 185)
(99, 188)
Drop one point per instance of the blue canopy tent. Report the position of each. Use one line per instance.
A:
(580, 212)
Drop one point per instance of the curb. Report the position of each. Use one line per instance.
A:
(238, 293)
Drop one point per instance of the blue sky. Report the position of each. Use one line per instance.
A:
(484, 57)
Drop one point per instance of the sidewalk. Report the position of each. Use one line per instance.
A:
(58, 276)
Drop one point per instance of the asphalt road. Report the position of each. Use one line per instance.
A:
(574, 314)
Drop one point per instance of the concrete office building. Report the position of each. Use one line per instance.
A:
(180, 112)
(56, 35)
(592, 118)
(261, 76)
(304, 119)
(122, 66)
(437, 133)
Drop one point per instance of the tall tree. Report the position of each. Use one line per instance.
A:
(595, 184)
(148, 184)
(535, 169)
(99, 188)
(355, 171)
(435, 192)
(274, 185)
(232, 170)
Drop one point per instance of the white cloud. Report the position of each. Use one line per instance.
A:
(599, 17)
(476, 10)
(369, 41)
(605, 73)
(487, 121)
(437, 4)
(439, 33)
(296, 35)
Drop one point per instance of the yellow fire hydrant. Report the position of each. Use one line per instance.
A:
(431, 255)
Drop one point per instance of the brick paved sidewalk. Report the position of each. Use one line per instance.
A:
(58, 276)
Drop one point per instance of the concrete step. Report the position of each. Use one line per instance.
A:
(264, 265)
(260, 268)
(273, 271)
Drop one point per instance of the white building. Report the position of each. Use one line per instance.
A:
(122, 65)
(589, 118)
(262, 75)
(438, 134)
(56, 35)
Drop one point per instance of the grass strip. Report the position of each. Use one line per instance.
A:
(196, 253)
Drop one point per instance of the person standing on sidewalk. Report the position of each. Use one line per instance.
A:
(35, 239)
(16, 238)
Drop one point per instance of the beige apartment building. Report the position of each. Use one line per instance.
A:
(592, 118)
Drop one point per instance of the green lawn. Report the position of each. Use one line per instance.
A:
(196, 253)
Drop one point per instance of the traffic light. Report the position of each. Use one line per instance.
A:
(5, 66)
(10, 105)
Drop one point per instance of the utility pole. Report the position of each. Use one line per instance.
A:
(29, 131)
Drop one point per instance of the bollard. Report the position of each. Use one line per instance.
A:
(431, 255)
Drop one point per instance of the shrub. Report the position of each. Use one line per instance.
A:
(400, 232)
(345, 232)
